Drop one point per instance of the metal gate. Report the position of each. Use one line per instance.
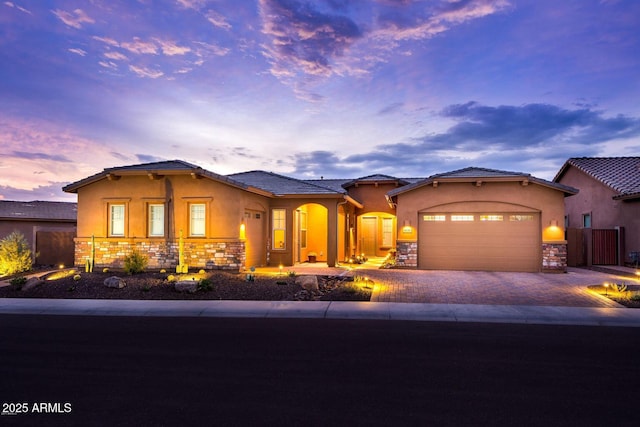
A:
(605, 247)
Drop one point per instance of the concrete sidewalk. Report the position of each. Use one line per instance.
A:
(588, 316)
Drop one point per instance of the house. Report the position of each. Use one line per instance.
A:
(228, 222)
(603, 220)
(48, 227)
(259, 218)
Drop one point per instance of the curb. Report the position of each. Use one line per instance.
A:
(476, 313)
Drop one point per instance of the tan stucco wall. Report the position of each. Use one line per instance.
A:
(597, 199)
(533, 197)
(225, 206)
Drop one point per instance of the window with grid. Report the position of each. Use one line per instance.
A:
(116, 219)
(197, 220)
(156, 220)
(279, 228)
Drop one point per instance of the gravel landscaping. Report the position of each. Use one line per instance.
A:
(213, 286)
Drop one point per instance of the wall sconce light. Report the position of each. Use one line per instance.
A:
(554, 223)
(406, 228)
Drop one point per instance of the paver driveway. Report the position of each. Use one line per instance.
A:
(481, 287)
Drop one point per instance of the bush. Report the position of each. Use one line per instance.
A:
(205, 285)
(135, 262)
(18, 281)
(15, 255)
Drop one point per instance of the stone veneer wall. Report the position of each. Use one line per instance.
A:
(209, 254)
(554, 257)
(407, 254)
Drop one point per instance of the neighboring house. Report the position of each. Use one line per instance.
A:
(48, 227)
(259, 218)
(603, 220)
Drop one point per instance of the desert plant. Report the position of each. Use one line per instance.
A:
(291, 273)
(105, 270)
(77, 277)
(15, 255)
(619, 287)
(18, 281)
(135, 262)
(205, 285)
(171, 278)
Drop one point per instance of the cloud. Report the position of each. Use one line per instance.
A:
(303, 39)
(40, 156)
(107, 40)
(73, 19)
(116, 56)
(50, 192)
(139, 46)
(20, 8)
(77, 51)
(171, 49)
(146, 158)
(391, 108)
(424, 23)
(218, 20)
(146, 72)
(533, 138)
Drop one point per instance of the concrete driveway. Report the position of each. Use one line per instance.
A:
(494, 288)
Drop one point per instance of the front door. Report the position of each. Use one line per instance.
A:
(368, 245)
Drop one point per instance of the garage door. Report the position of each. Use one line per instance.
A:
(494, 241)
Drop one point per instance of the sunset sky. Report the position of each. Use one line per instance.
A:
(332, 88)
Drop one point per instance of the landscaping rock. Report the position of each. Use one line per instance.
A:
(186, 286)
(115, 282)
(31, 283)
(309, 283)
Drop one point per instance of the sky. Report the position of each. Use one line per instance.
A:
(311, 89)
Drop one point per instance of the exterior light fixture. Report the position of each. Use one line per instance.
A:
(554, 223)
(406, 228)
(606, 289)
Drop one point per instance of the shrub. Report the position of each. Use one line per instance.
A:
(105, 270)
(135, 262)
(205, 285)
(171, 278)
(18, 281)
(77, 277)
(15, 255)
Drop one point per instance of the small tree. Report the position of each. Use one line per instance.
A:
(15, 255)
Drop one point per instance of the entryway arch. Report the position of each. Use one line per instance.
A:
(310, 233)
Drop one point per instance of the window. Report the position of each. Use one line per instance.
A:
(462, 218)
(156, 220)
(434, 217)
(303, 230)
(387, 232)
(279, 228)
(197, 219)
(116, 220)
(586, 220)
(491, 217)
(517, 218)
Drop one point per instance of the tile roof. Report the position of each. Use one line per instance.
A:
(163, 167)
(622, 174)
(39, 210)
(281, 185)
(472, 173)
